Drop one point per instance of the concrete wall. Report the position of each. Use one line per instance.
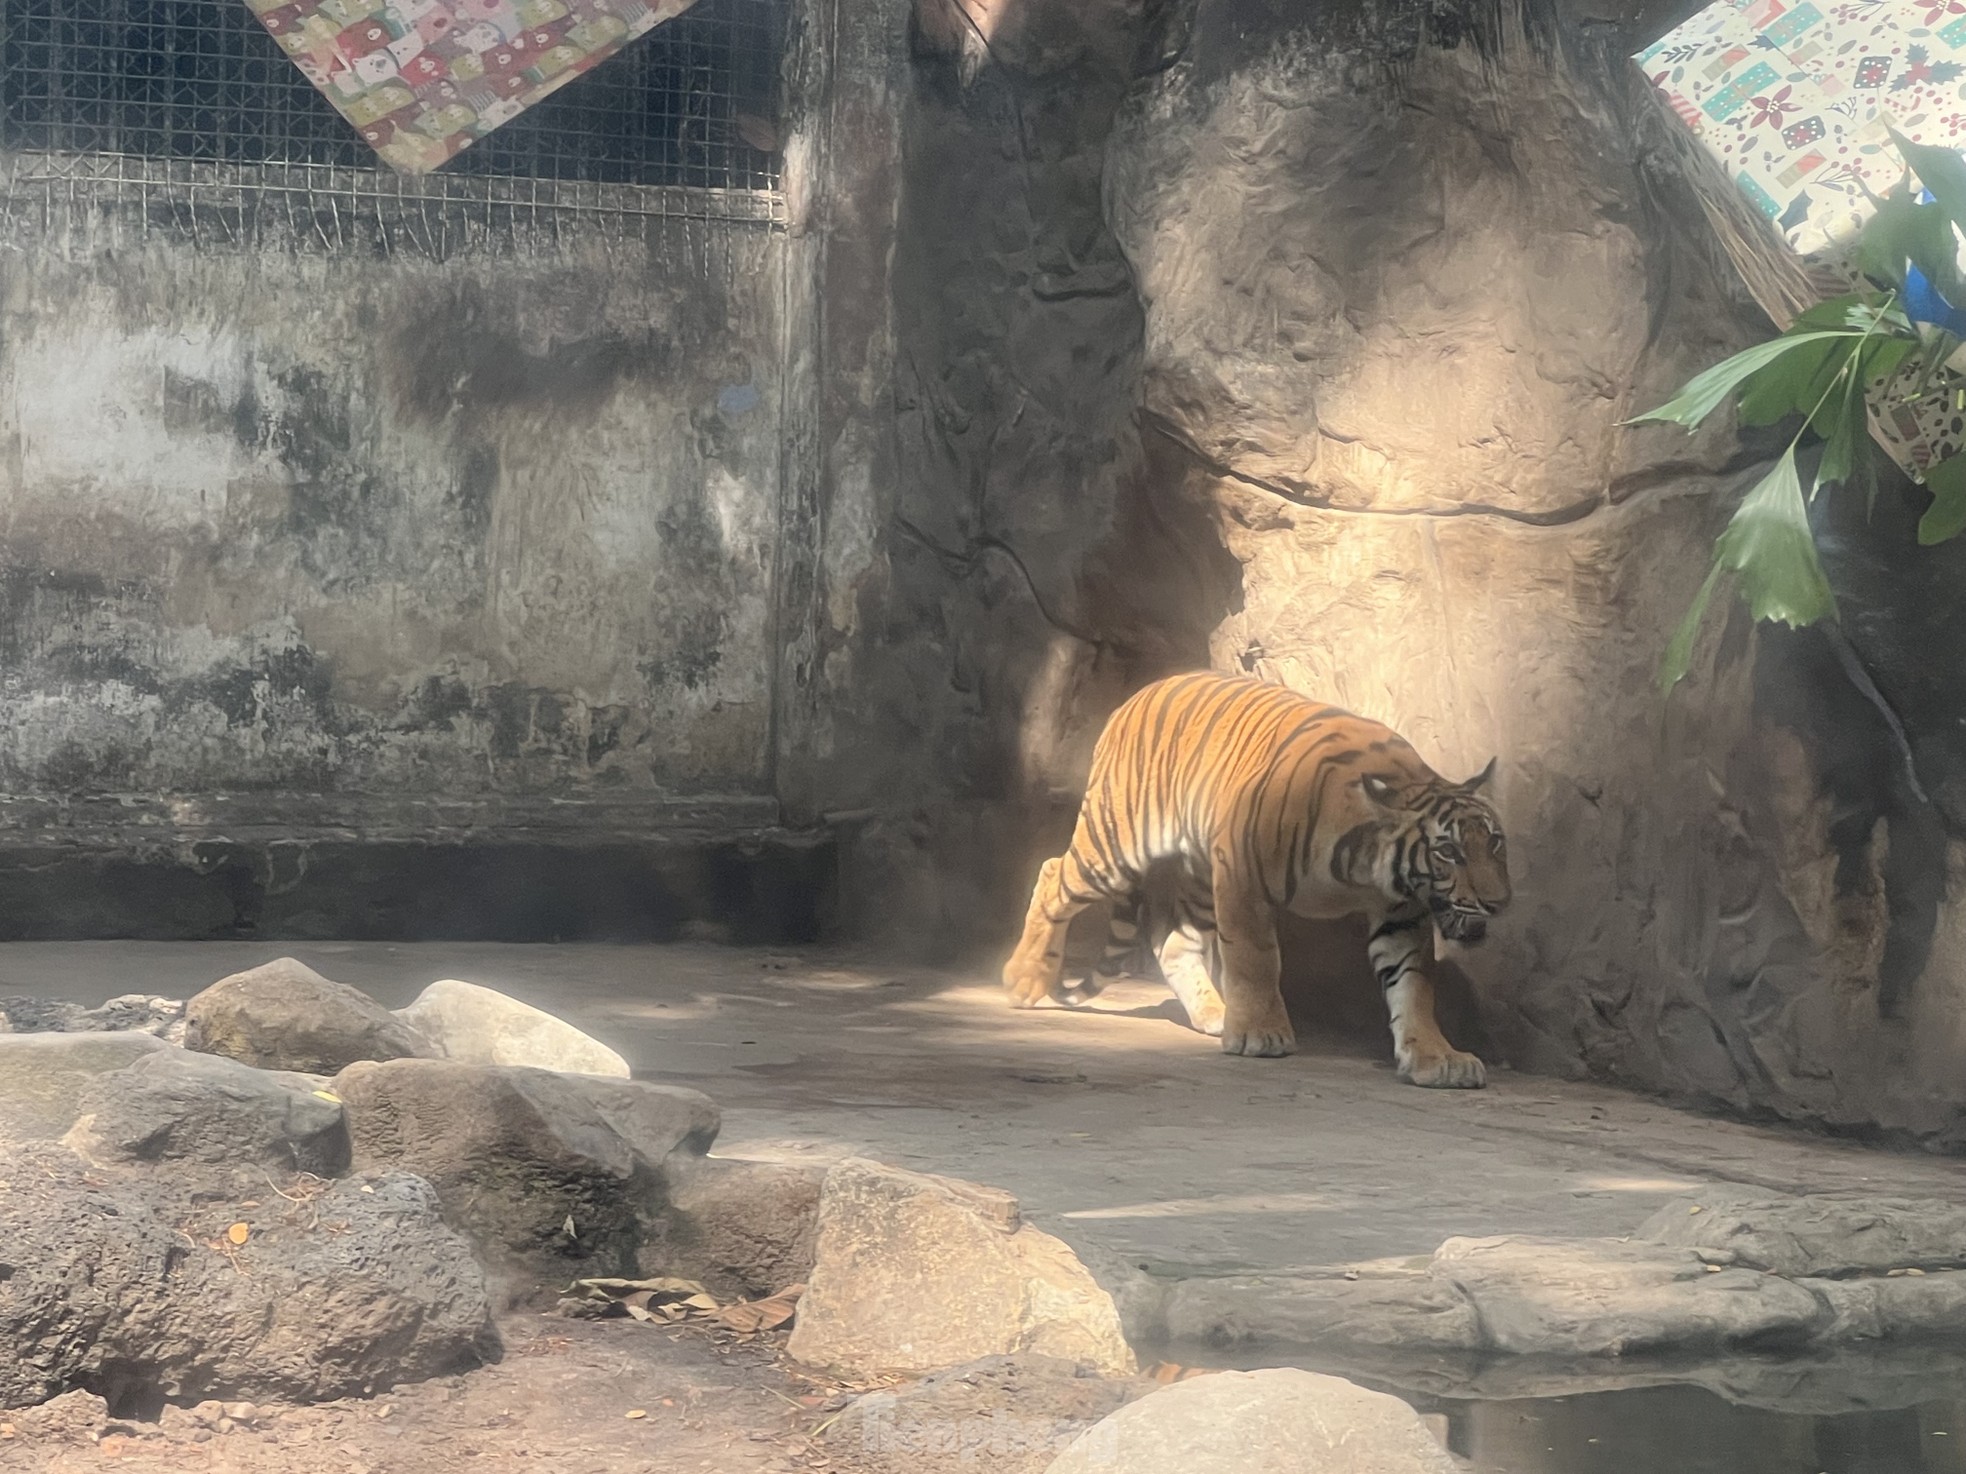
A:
(383, 541)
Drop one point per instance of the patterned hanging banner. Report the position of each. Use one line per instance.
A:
(422, 80)
(1788, 107)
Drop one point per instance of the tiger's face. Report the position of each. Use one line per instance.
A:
(1457, 860)
(1468, 865)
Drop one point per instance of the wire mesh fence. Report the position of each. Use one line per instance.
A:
(159, 96)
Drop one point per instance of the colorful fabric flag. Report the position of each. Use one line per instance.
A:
(1794, 101)
(422, 80)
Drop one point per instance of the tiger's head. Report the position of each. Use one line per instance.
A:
(1453, 856)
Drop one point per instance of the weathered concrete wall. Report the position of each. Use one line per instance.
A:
(386, 543)
(281, 519)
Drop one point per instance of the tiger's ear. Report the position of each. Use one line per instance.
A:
(1480, 780)
(1378, 790)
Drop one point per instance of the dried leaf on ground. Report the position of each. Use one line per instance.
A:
(659, 1300)
(615, 1289)
(672, 1301)
(750, 1316)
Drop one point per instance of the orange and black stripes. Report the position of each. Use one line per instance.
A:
(1216, 801)
(1198, 761)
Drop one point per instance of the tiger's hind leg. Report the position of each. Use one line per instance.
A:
(1033, 972)
(1066, 886)
(1115, 956)
(1186, 964)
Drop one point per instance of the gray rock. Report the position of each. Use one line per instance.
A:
(38, 1015)
(481, 1026)
(743, 1228)
(174, 1105)
(286, 1016)
(127, 1283)
(137, 1012)
(914, 1272)
(551, 1176)
(1140, 1298)
(1822, 1381)
(1410, 1312)
(1606, 1297)
(1802, 1236)
(999, 1415)
(43, 1076)
(657, 1121)
(1914, 1307)
(163, 1017)
(73, 1417)
(1583, 1297)
(1280, 1421)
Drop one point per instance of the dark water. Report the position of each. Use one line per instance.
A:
(1883, 1410)
(1690, 1430)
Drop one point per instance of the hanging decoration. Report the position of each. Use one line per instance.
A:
(422, 80)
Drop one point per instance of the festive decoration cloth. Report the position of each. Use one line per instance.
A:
(422, 80)
(1788, 107)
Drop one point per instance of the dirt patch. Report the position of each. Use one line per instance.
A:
(601, 1397)
(565, 1396)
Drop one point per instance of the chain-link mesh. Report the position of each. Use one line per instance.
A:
(688, 105)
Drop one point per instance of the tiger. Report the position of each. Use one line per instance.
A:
(1214, 801)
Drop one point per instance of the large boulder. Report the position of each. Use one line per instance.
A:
(1000, 1415)
(550, 1176)
(146, 1287)
(1280, 1421)
(43, 1077)
(174, 1105)
(914, 1272)
(741, 1228)
(286, 1016)
(481, 1026)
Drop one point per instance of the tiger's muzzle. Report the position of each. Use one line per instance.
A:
(1467, 924)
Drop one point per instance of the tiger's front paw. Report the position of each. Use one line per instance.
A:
(1268, 1042)
(1445, 1069)
(1029, 984)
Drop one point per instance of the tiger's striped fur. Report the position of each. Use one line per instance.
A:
(1215, 800)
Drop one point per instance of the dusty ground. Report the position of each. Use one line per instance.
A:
(586, 1397)
(1115, 1126)
(561, 1398)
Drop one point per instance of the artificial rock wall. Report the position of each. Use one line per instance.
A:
(1369, 292)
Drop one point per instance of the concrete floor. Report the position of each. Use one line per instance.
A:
(1113, 1124)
